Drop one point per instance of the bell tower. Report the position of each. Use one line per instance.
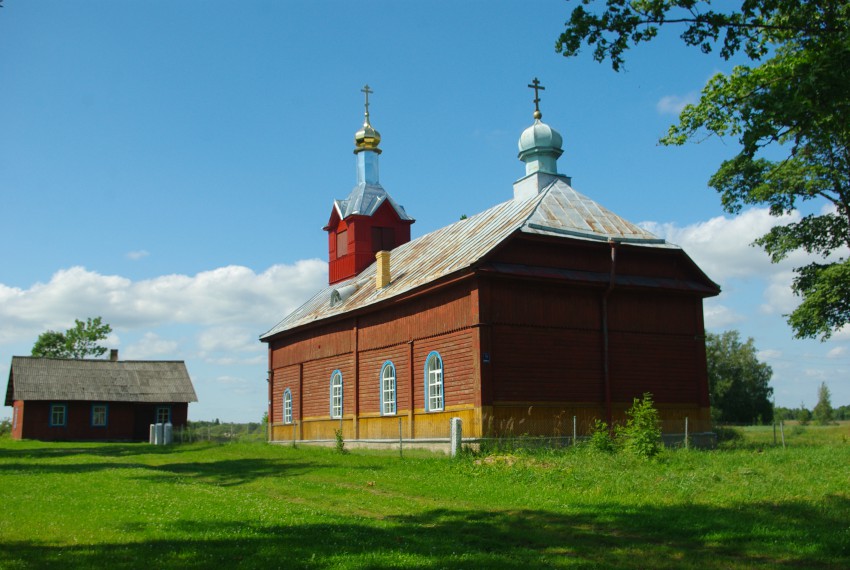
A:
(369, 220)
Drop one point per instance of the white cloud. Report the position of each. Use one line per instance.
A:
(769, 354)
(231, 345)
(136, 255)
(227, 296)
(837, 352)
(152, 346)
(718, 316)
(673, 104)
(778, 296)
(722, 246)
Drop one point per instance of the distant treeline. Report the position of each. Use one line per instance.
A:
(805, 415)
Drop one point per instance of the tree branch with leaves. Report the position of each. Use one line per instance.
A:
(80, 341)
(793, 102)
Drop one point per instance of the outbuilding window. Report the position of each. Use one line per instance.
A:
(433, 382)
(388, 401)
(287, 406)
(58, 415)
(163, 414)
(98, 415)
(336, 394)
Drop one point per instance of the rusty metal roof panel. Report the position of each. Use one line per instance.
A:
(557, 210)
(563, 211)
(417, 262)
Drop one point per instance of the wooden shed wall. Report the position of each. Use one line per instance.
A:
(125, 421)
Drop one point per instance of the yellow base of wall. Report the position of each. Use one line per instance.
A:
(502, 420)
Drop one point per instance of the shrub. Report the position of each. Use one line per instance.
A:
(340, 442)
(641, 435)
(600, 437)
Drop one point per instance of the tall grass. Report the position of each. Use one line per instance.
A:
(248, 505)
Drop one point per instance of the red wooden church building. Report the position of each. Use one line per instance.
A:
(544, 307)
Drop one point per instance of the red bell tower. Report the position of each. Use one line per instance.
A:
(369, 220)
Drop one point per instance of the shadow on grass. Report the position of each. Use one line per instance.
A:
(50, 450)
(789, 535)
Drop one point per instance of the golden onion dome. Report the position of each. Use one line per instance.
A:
(367, 138)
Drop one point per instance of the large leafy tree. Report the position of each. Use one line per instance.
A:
(737, 382)
(789, 110)
(80, 341)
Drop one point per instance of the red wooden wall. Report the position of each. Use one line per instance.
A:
(125, 420)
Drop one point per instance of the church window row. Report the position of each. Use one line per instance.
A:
(336, 394)
(433, 389)
(287, 406)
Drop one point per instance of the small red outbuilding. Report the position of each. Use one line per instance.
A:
(86, 399)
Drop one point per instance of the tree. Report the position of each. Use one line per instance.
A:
(804, 416)
(737, 381)
(80, 341)
(794, 103)
(822, 413)
(50, 344)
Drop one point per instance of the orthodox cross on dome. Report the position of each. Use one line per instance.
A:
(535, 84)
(367, 91)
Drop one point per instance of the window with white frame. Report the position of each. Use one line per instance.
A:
(58, 414)
(336, 394)
(388, 402)
(98, 415)
(434, 382)
(163, 414)
(287, 406)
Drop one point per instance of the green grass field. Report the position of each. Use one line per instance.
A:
(245, 505)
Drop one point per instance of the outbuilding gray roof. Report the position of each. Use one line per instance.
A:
(557, 210)
(32, 378)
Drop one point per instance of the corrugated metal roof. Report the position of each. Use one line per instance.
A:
(558, 210)
(33, 378)
(365, 199)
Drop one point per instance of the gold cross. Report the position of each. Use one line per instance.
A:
(535, 84)
(367, 91)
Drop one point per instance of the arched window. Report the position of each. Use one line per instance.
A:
(433, 382)
(287, 406)
(388, 407)
(336, 394)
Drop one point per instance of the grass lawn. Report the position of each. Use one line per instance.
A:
(77, 505)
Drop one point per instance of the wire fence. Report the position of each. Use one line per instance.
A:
(220, 432)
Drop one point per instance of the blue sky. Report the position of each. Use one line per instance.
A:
(170, 165)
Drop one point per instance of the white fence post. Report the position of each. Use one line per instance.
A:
(456, 436)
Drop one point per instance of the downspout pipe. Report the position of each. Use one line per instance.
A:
(270, 382)
(606, 368)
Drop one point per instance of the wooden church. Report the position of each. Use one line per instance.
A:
(540, 309)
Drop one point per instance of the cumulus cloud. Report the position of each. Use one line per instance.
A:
(673, 104)
(722, 246)
(769, 354)
(837, 352)
(718, 316)
(227, 296)
(230, 345)
(778, 296)
(152, 346)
